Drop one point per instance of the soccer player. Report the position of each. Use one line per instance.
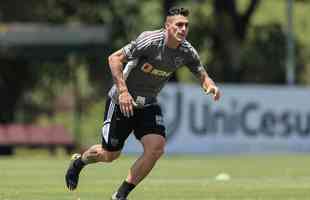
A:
(132, 105)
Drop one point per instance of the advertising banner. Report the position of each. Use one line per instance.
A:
(247, 119)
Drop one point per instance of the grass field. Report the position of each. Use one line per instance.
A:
(273, 177)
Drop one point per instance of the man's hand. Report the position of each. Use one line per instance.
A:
(126, 103)
(212, 89)
(208, 84)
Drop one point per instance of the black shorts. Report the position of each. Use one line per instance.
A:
(116, 127)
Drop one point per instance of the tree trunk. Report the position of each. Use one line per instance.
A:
(230, 32)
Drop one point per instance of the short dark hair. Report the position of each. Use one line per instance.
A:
(178, 11)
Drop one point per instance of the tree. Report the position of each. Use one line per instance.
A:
(19, 76)
(223, 35)
(229, 33)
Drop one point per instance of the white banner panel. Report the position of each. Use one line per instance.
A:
(248, 118)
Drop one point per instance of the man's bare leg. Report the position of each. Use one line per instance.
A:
(98, 154)
(153, 146)
(94, 154)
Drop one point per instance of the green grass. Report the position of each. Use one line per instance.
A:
(276, 177)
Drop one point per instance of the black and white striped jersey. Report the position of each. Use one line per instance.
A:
(151, 63)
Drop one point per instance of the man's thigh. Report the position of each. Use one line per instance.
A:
(149, 120)
(116, 127)
(153, 142)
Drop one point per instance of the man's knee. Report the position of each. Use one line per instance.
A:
(153, 145)
(155, 151)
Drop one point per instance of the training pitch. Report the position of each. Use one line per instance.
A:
(251, 177)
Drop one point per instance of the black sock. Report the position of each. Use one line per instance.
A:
(125, 189)
(79, 164)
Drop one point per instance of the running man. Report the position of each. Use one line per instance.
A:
(132, 105)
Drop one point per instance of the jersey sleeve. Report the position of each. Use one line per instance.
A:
(138, 47)
(193, 62)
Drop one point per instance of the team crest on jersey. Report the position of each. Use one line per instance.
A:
(158, 57)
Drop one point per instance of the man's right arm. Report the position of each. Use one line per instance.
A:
(126, 101)
(116, 61)
(134, 50)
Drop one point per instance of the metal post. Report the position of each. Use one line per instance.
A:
(77, 114)
(290, 46)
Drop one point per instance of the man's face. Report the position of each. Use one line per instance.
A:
(177, 27)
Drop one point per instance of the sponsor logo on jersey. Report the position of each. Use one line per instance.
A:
(148, 68)
(178, 61)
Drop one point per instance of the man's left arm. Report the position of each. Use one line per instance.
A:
(195, 66)
(208, 84)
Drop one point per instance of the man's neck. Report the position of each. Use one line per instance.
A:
(171, 43)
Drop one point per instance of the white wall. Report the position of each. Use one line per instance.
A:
(248, 118)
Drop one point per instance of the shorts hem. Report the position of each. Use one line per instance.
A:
(150, 131)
